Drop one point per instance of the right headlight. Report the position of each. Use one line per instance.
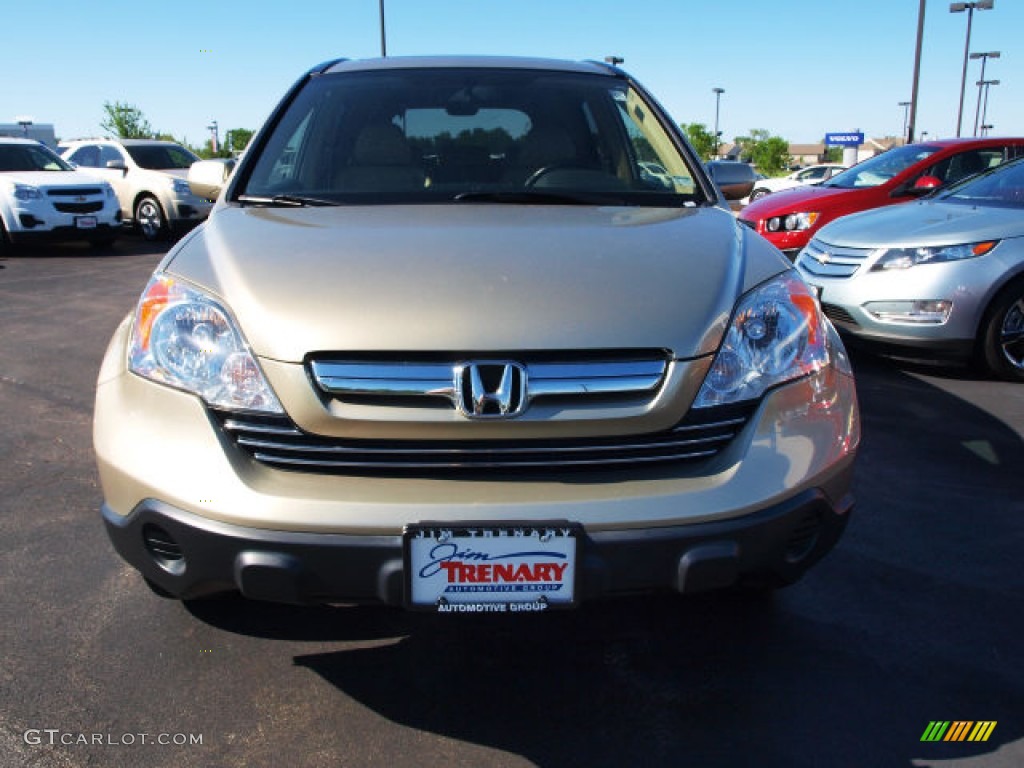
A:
(777, 334)
(184, 338)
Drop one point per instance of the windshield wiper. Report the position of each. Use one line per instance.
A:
(285, 201)
(531, 197)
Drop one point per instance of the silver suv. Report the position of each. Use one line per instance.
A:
(149, 177)
(445, 343)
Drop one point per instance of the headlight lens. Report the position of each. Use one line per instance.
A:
(24, 192)
(181, 187)
(183, 338)
(793, 222)
(776, 334)
(905, 258)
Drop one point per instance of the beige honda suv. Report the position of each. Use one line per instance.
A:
(443, 344)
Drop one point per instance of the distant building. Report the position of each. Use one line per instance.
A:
(812, 154)
(39, 131)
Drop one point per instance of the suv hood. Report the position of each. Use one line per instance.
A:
(471, 277)
(924, 224)
(51, 179)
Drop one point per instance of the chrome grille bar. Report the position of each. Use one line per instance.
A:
(275, 441)
(825, 260)
(373, 379)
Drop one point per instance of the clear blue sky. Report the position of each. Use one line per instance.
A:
(796, 68)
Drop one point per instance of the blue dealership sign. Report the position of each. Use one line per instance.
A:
(844, 139)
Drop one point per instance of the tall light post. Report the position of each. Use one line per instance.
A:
(986, 83)
(917, 74)
(984, 58)
(214, 137)
(718, 101)
(383, 37)
(981, 5)
(906, 118)
(985, 129)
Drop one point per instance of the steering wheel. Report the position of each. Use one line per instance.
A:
(543, 171)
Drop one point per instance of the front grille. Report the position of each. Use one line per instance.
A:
(74, 192)
(823, 260)
(439, 382)
(277, 442)
(79, 207)
(837, 314)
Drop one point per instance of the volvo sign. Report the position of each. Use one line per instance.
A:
(844, 139)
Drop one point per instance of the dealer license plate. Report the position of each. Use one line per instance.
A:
(85, 222)
(469, 568)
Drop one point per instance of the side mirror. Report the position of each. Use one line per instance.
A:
(117, 165)
(924, 185)
(207, 178)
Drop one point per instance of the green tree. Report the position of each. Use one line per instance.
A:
(701, 138)
(769, 153)
(125, 121)
(834, 155)
(238, 139)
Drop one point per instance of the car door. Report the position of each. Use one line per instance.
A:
(118, 175)
(93, 158)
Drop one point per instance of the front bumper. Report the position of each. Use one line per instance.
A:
(190, 556)
(62, 234)
(968, 285)
(304, 536)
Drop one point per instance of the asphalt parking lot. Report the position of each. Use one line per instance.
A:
(917, 616)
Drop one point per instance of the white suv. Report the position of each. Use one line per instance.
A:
(149, 177)
(44, 198)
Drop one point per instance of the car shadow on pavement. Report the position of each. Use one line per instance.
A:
(916, 616)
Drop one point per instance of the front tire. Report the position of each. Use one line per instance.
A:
(150, 219)
(1002, 334)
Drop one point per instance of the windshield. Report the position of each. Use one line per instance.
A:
(880, 168)
(30, 157)
(500, 135)
(161, 157)
(1002, 186)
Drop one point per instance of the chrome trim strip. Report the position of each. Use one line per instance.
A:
(248, 442)
(234, 425)
(270, 459)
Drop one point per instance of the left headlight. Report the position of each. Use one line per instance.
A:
(793, 222)
(904, 258)
(181, 187)
(185, 339)
(777, 334)
(24, 192)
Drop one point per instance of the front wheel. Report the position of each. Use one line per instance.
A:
(149, 218)
(1002, 334)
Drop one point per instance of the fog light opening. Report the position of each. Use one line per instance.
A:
(803, 538)
(929, 312)
(161, 546)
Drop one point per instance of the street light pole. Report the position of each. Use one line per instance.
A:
(917, 74)
(718, 101)
(906, 118)
(984, 109)
(981, 5)
(383, 37)
(984, 58)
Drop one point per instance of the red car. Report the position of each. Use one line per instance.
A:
(790, 218)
